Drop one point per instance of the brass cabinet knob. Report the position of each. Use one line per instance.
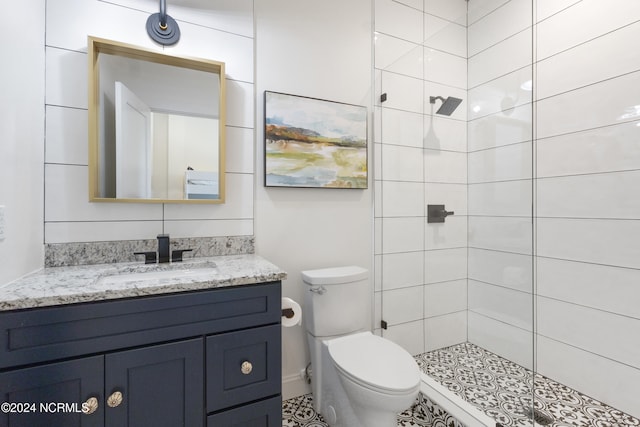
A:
(90, 406)
(115, 399)
(246, 367)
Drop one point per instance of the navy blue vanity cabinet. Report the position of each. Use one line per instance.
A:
(168, 360)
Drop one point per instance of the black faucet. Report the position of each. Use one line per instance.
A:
(163, 252)
(163, 248)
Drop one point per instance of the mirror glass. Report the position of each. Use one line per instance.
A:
(156, 126)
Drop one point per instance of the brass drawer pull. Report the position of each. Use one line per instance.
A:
(90, 406)
(246, 367)
(115, 399)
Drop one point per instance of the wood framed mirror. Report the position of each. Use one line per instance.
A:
(156, 126)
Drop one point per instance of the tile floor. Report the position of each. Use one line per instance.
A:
(502, 390)
(496, 386)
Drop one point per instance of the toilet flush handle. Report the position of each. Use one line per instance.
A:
(320, 290)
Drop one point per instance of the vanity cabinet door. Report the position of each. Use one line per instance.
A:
(53, 394)
(157, 386)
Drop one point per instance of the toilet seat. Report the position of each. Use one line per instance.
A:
(375, 363)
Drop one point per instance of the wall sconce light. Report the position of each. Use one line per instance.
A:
(162, 28)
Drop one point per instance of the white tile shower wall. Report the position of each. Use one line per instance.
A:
(69, 217)
(588, 212)
(421, 268)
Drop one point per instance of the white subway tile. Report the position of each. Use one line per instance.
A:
(401, 128)
(602, 241)
(66, 135)
(595, 17)
(546, 8)
(501, 234)
(502, 58)
(416, 4)
(402, 198)
(502, 304)
(600, 59)
(377, 309)
(509, 198)
(209, 228)
(505, 340)
(505, 269)
(450, 234)
(453, 196)
(445, 265)
(508, 162)
(97, 231)
(445, 298)
(67, 200)
(445, 167)
(409, 336)
(445, 68)
(238, 203)
(444, 35)
(612, 289)
(402, 234)
(398, 20)
(507, 20)
(596, 331)
(605, 149)
(402, 270)
(66, 78)
(592, 374)
(398, 56)
(607, 195)
(444, 331)
(479, 9)
(401, 163)
(455, 11)
(503, 128)
(402, 305)
(501, 94)
(441, 133)
(403, 93)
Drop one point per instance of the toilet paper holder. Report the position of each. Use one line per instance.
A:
(288, 313)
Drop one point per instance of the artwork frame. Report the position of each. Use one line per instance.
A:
(314, 143)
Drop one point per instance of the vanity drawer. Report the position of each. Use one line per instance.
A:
(265, 413)
(50, 333)
(243, 366)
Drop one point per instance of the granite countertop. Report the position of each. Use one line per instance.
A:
(67, 285)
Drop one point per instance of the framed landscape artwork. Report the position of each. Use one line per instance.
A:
(314, 143)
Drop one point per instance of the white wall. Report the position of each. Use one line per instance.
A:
(421, 268)
(22, 137)
(223, 32)
(320, 50)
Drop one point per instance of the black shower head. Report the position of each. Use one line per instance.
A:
(448, 106)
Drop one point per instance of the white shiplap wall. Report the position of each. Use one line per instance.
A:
(224, 33)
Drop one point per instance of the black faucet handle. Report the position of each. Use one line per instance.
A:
(149, 257)
(176, 255)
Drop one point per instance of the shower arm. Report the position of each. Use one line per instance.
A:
(432, 99)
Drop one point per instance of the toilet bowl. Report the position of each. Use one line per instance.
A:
(359, 379)
(380, 378)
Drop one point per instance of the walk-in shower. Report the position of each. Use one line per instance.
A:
(517, 307)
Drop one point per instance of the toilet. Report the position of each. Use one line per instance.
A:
(359, 379)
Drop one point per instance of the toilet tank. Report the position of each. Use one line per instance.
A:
(336, 300)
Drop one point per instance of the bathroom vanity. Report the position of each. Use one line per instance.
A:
(145, 350)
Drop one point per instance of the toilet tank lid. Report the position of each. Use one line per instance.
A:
(334, 275)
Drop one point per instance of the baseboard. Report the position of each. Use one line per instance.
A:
(294, 386)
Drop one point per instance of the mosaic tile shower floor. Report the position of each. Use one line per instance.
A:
(501, 389)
